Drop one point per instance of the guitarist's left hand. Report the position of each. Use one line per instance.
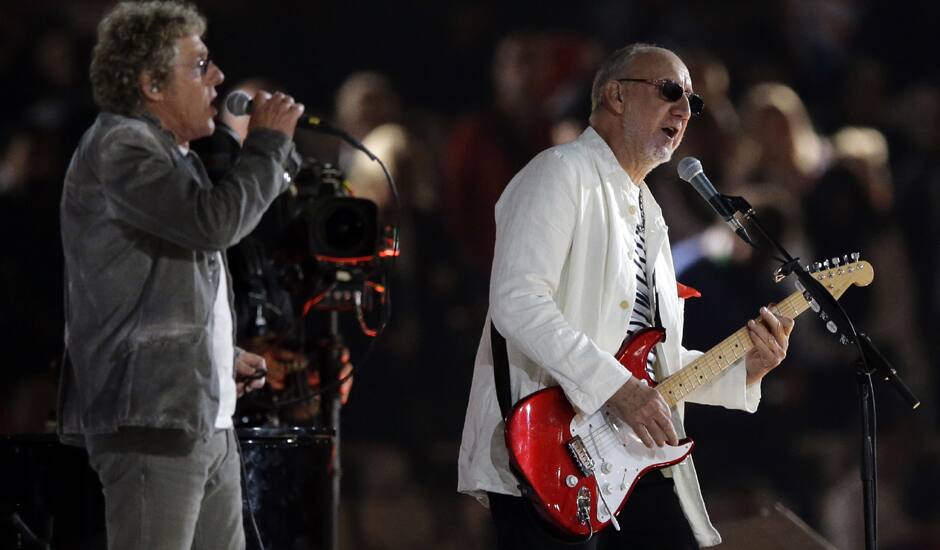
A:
(770, 334)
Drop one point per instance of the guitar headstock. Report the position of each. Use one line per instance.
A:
(836, 276)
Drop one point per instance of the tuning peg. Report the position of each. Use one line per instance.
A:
(825, 264)
(814, 305)
(831, 327)
(835, 261)
(855, 256)
(824, 316)
(843, 340)
(816, 267)
(799, 286)
(845, 259)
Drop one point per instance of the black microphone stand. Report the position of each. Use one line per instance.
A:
(868, 361)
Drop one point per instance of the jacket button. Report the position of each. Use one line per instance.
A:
(625, 304)
(632, 210)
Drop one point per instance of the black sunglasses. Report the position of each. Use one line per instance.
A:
(672, 92)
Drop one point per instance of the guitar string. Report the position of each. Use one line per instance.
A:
(735, 346)
(601, 440)
(604, 437)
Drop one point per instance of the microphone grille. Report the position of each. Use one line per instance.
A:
(238, 103)
(688, 168)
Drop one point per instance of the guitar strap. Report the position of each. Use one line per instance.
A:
(504, 397)
(501, 371)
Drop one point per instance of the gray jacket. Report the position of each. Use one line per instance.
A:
(141, 225)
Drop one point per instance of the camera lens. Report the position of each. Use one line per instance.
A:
(343, 228)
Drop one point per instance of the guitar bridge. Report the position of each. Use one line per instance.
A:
(581, 456)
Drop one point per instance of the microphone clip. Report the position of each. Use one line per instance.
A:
(786, 269)
(738, 205)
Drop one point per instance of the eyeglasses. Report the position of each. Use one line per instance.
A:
(672, 92)
(203, 66)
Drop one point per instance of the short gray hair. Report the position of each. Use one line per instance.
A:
(136, 37)
(614, 66)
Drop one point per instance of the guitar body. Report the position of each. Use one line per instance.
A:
(569, 459)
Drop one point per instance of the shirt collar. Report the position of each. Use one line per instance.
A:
(609, 164)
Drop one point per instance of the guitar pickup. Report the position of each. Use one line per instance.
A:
(581, 456)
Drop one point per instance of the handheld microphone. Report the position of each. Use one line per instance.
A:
(239, 104)
(690, 170)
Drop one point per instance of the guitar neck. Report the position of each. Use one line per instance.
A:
(708, 367)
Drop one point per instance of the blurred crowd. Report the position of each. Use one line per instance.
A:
(833, 139)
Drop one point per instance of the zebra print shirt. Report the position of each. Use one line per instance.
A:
(643, 313)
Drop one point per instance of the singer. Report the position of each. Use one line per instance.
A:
(581, 260)
(150, 383)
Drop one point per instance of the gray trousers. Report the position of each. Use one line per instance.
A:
(164, 491)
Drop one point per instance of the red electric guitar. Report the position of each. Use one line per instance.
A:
(583, 468)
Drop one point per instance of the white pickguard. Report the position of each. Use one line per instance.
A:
(619, 456)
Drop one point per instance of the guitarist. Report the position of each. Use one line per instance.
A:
(582, 259)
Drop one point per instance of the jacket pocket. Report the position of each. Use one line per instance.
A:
(172, 380)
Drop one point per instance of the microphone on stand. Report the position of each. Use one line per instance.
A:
(690, 170)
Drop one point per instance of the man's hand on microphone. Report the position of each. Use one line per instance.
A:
(277, 112)
(644, 410)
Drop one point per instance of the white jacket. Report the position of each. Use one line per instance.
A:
(561, 292)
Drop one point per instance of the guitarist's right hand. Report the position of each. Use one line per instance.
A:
(644, 410)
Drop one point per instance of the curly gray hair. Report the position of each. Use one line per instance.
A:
(136, 37)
